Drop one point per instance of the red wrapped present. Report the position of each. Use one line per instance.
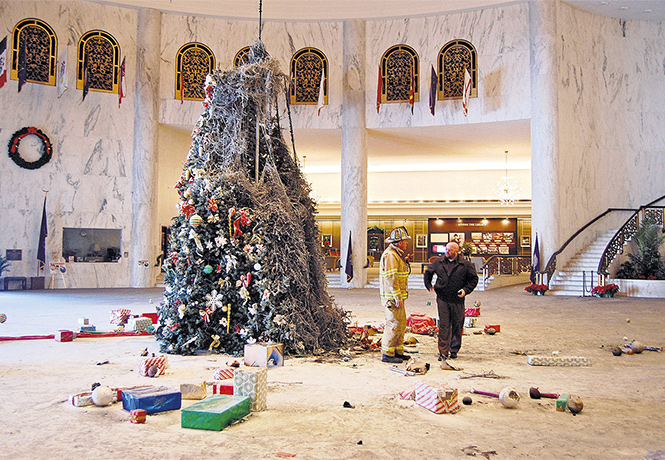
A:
(138, 415)
(63, 335)
(224, 387)
(152, 316)
(496, 327)
(436, 397)
(472, 311)
(222, 373)
(421, 324)
(160, 361)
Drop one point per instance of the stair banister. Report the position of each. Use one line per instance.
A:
(550, 267)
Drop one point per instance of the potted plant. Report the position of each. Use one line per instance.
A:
(607, 290)
(536, 289)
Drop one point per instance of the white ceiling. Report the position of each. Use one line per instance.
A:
(317, 10)
(461, 146)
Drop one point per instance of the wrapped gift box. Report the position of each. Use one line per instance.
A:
(496, 327)
(223, 373)
(84, 321)
(81, 399)
(138, 324)
(160, 361)
(63, 335)
(224, 387)
(193, 390)
(252, 382)
(407, 395)
(87, 328)
(438, 398)
(469, 322)
(264, 354)
(151, 399)
(562, 402)
(119, 316)
(472, 311)
(138, 415)
(563, 361)
(215, 412)
(152, 316)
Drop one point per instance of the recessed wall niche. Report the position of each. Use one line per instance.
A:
(91, 244)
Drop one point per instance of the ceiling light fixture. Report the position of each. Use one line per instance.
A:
(507, 188)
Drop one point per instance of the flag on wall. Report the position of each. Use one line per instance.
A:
(62, 71)
(433, 87)
(3, 62)
(321, 92)
(86, 80)
(467, 92)
(182, 88)
(22, 69)
(41, 249)
(349, 263)
(411, 90)
(378, 91)
(535, 262)
(122, 89)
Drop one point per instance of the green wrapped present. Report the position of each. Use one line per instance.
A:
(215, 412)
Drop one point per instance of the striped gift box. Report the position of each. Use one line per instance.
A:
(160, 361)
(119, 316)
(437, 398)
(223, 373)
(407, 395)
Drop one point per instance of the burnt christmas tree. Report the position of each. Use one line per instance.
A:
(245, 264)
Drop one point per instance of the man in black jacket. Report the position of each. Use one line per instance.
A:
(456, 278)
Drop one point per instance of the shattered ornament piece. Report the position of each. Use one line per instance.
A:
(102, 396)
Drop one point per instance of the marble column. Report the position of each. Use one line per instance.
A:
(144, 172)
(354, 153)
(545, 153)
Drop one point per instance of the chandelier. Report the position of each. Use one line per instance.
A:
(506, 189)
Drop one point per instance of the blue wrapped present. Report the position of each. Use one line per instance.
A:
(151, 399)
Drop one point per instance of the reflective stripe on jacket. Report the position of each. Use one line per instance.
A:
(393, 276)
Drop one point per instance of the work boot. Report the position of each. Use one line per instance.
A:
(402, 357)
(391, 359)
(453, 355)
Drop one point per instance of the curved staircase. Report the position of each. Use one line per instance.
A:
(569, 280)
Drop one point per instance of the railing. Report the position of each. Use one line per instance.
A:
(550, 267)
(626, 233)
(614, 247)
(505, 265)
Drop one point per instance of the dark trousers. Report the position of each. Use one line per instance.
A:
(451, 326)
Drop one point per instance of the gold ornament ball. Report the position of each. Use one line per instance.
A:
(575, 404)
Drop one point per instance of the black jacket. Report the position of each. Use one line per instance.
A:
(462, 276)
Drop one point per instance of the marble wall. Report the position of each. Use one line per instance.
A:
(89, 178)
(611, 88)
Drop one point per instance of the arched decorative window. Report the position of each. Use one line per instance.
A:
(38, 45)
(241, 57)
(307, 66)
(400, 74)
(98, 61)
(194, 61)
(454, 57)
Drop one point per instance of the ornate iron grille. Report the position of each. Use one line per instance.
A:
(100, 64)
(241, 57)
(38, 56)
(195, 68)
(40, 44)
(455, 61)
(454, 57)
(398, 76)
(307, 66)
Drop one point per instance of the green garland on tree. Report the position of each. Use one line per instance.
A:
(245, 263)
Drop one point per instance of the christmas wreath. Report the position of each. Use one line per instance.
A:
(15, 141)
